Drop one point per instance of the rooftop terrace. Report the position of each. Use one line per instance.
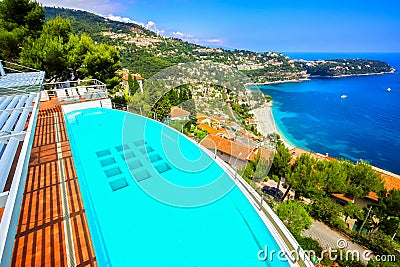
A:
(43, 219)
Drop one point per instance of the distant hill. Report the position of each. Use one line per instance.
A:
(146, 52)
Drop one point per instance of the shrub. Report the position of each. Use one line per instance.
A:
(294, 216)
(307, 243)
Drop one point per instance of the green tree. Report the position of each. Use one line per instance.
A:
(247, 171)
(133, 85)
(304, 180)
(130, 84)
(101, 62)
(390, 203)
(387, 211)
(19, 19)
(280, 165)
(49, 51)
(78, 47)
(262, 167)
(136, 85)
(114, 83)
(353, 211)
(363, 180)
(324, 209)
(62, 54)
(294, 216)
(58, 27)
(390, 226)
(333, 176)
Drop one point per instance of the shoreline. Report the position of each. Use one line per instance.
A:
(279, 82)
(266, 123)
(317, 77)
(353, 75)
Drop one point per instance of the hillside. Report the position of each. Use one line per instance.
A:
(146, 52)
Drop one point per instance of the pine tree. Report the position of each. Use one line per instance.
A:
(19, 20)
(136, 85)
(130, 85)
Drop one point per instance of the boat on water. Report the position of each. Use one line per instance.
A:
(343, 96)
(389, 89)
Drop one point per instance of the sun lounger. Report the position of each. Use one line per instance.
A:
(61, 95)
(44, 96)
(72, 92)
(82, 90)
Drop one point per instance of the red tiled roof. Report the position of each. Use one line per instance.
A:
(134, 75)
(392, 181)
(265, 153)
(178, 112)
(222, 131)
(250, 121)
(229, 147)
(220, 119)
(373, 196)
(207, 128)
(343, 197)
(201, 116)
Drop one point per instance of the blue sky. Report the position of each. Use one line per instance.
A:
(295, 26)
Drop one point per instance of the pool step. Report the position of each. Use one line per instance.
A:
(118, 184)
(137, 155)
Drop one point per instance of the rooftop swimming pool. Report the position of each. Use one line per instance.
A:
(154, 198)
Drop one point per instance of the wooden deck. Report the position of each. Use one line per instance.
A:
(40, 239)
(1, 213)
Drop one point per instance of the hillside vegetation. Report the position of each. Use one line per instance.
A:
(146, 52)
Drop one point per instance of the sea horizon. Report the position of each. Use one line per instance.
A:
(364, 125)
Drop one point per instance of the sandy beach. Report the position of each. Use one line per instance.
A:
(266, 124)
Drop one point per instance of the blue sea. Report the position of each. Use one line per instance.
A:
(365, 125)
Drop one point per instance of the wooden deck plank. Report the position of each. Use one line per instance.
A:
(40, 233)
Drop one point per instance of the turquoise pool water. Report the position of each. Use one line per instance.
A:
(144, 188)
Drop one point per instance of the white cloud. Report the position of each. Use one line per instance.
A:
(123, 19)
(151, 25)
(181, 35)
(214, 41)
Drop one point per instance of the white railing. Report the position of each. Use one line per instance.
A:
(261, 206)
(90, 83)
(73, 91)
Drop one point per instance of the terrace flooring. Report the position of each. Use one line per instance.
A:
(41, 238)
